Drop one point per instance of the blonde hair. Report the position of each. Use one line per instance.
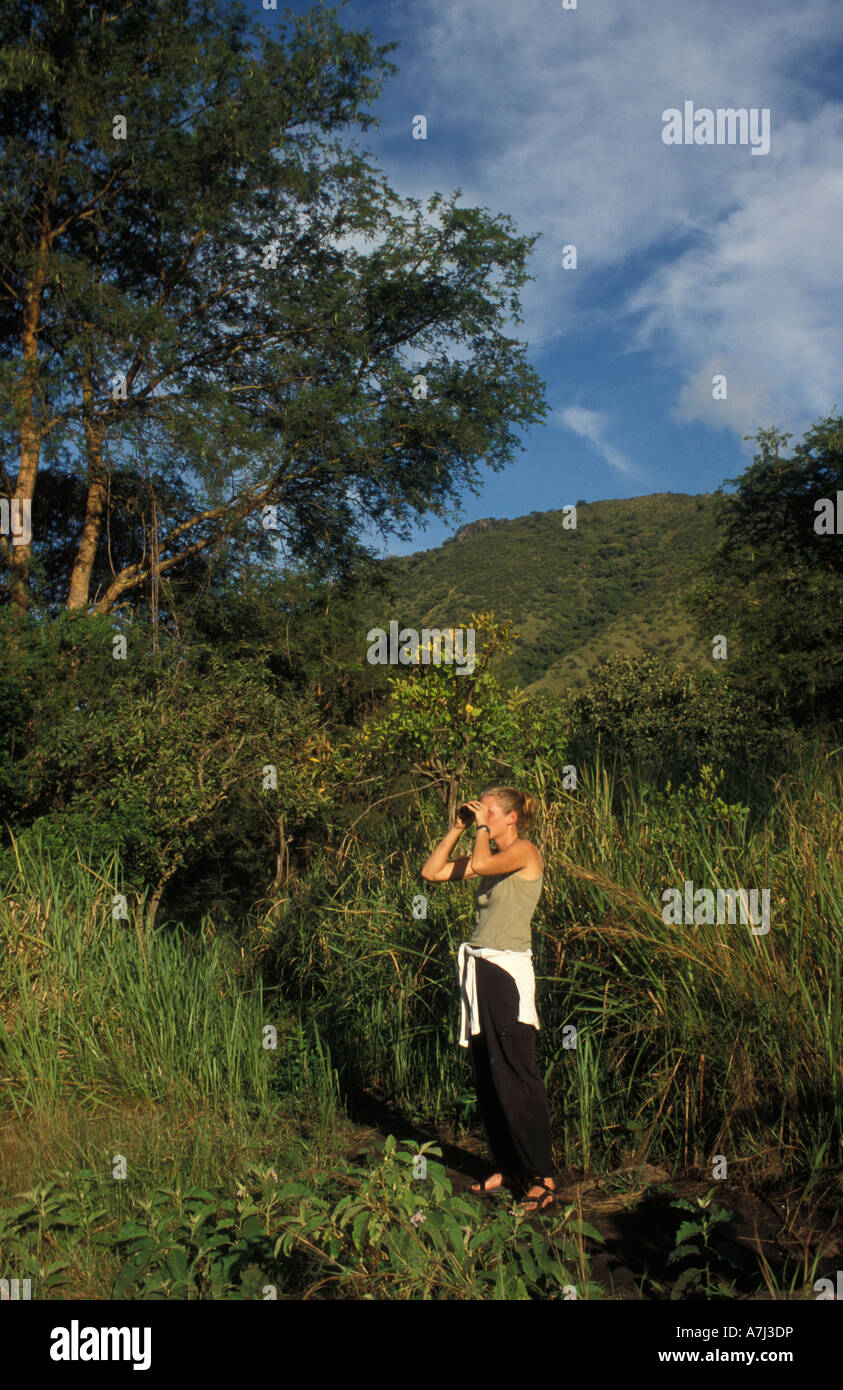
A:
(511, 799)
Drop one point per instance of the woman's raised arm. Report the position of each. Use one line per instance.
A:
(440, 867)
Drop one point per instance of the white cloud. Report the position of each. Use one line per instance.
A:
(591, 425)
(554, 116)
(762, 303)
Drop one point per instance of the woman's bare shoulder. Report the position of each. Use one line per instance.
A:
(533, 870)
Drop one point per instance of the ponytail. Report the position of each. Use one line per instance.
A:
(511, 799)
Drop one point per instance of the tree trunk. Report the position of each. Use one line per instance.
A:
(80, 578)
(155, 900)
(19, 557)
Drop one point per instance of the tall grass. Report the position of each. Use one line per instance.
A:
(673, 1043)
(676, 1044)
(96, 1007)
(691, 1041)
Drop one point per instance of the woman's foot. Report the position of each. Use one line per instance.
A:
(541, 1194)
(490, 1185)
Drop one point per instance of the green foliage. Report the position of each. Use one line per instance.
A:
(390, 1235)
(687, 810)
(450, 728)
(401, 1237)
(196, 1244)
(28, 1232)
(653, 714)
(116, 1011)
(706, 1237)
(675, 1028)
(441, 721)
(154, 757)
(774, 585)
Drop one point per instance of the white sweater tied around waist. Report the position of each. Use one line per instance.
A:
(518, 964)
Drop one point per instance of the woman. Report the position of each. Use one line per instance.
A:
(497, 987)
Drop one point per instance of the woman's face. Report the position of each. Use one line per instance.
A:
(498, 821)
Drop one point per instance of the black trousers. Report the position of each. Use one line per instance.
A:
(510, 1092)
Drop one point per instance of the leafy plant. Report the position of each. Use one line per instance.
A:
(677, 812)
(48, 1220)
(396, 1236)
(198, 1249)
(704, 1237)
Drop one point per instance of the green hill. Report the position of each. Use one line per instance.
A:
(575, 596)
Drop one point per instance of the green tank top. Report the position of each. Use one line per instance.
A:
(504, 908)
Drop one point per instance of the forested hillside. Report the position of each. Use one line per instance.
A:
(575, 595)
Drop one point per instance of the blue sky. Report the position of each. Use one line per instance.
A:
(693, 259)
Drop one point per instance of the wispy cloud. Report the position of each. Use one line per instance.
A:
(591, 425)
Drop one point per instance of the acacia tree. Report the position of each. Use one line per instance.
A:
(186, 339)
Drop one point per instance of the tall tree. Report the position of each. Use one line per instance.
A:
(181, 322)
(775, 583)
